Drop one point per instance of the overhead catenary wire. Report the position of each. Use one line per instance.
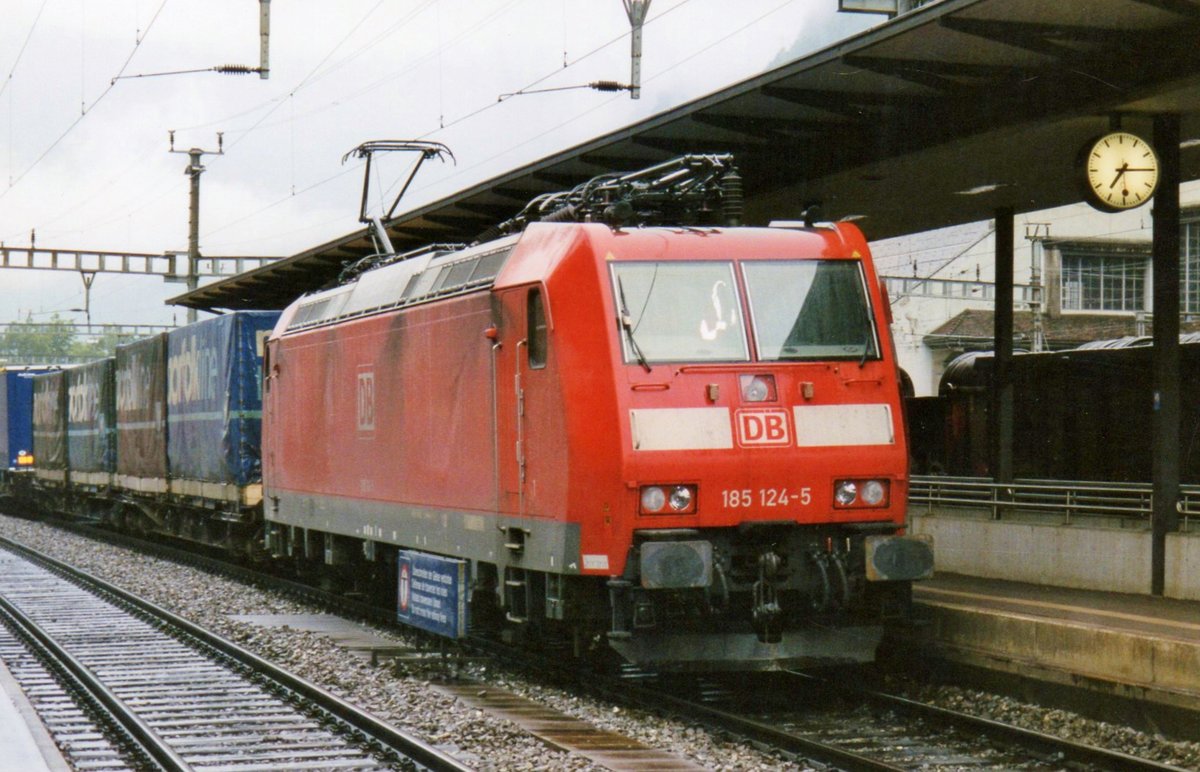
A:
(8, 81)
(24, 45)
(87, 109)
(223, 69)
(308, 77)
(391, 76)
(609, 101)
(396, 26)
(385, 79)
(231, 69)
(578, 116)
(446, 125)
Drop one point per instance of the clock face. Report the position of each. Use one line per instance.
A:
(1121, 171)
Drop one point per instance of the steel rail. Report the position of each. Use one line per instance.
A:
(613, 688)
(82, 681)
(624, 691)
(777, 739)
(371, 727)
(1067, 750)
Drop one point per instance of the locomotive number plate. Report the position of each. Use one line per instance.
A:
(739, 498)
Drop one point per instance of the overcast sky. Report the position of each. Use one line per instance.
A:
(85, 162)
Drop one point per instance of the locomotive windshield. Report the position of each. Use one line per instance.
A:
(810, 309)
(680, 312)
(692, 311)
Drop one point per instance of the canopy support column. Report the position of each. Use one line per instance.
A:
(1002, 388)
(1165, 448)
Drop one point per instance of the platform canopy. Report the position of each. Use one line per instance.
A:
(941, 116)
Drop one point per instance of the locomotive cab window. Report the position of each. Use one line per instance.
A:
(810, 309)
(679, 312)
(535, 316)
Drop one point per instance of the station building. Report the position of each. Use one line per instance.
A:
(1082, 278)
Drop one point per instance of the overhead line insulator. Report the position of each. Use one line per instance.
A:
(609, 85)
(235, 69)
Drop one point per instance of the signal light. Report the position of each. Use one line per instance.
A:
(668, 499)
(758, 388)
(860, 494)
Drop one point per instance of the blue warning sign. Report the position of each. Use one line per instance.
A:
(431, 593)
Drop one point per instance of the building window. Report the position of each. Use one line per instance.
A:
(1103, 282)
(1189, 279)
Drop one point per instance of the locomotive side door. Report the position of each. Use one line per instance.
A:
(522, 406)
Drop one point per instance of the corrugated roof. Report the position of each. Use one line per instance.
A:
(938, 117)
(973, 328)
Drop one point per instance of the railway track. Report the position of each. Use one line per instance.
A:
(130, 685)
(868, 731)
(860, 730)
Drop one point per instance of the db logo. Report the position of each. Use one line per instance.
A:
(366, 400)
(763, 427)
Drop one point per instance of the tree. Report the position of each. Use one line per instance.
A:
(33, 342)
(99, 347)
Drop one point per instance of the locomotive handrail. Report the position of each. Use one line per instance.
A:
(1070, 498)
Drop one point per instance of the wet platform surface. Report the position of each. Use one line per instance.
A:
(1140, 646)
(24, 741)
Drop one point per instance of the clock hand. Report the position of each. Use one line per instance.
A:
(1120, 172)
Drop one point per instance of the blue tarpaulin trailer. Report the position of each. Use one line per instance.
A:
(16, 415)
(142, 415)
(214, 402)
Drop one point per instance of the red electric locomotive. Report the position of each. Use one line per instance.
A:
(684, 442)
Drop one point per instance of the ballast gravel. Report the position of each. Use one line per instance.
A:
(406, 697)
(408, 700)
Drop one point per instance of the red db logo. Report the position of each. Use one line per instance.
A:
(763, 427)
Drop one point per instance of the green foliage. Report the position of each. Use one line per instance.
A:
(97, 348)
(52, 342)
(31, 341)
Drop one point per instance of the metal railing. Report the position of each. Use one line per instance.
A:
(1070, 499)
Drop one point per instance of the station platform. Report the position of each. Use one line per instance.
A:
(25, 742)
(1138, 646)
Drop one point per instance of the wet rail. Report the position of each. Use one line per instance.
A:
(866, 731)
(136, 686)
(849, 728)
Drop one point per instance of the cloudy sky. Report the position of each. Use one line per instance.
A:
(84, 159)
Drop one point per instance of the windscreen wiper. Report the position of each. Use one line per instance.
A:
(868, 328)
(627, 326)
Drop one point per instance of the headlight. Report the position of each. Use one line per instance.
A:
(845, 492)
(681, 498)
(653, 498)
(873, 493)
(860, 493)
(670, 499)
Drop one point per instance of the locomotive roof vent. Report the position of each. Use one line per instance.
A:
(409, 279)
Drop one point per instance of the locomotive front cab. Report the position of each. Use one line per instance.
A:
(766, 458)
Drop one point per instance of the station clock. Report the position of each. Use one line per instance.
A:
(1119, 171)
